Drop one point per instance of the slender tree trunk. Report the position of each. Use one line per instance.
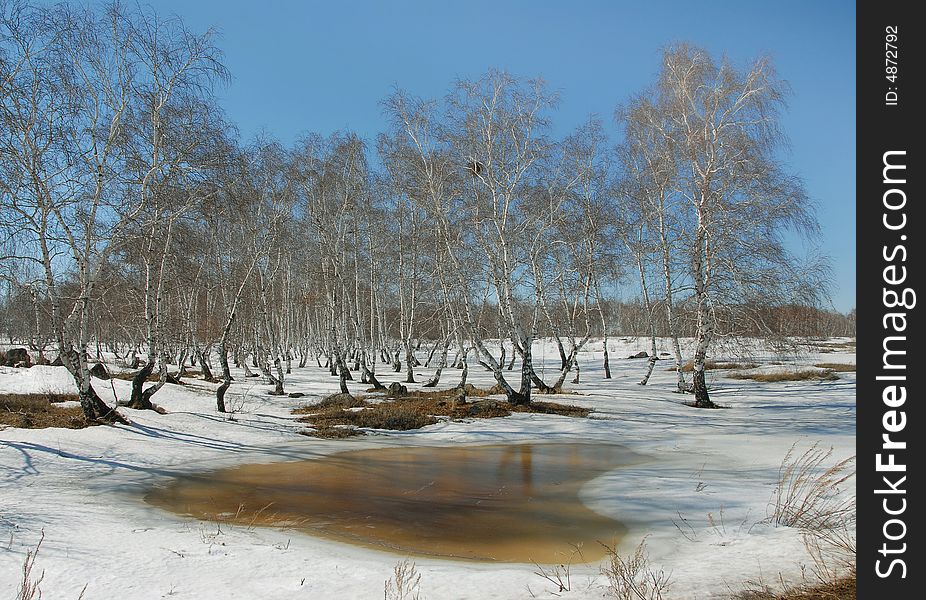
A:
(702, 398)
(278, 383)
(409, 363)
(226, 380)
(464, 366)
(607, 362)
(705, 323)
(204, 365)
(442, 362)
(427, 363)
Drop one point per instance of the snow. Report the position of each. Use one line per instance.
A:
(700, 499)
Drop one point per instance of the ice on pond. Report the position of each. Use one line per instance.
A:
(510, 503)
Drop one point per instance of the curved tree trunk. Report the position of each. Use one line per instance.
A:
(92, 405)
(138, 382)
(204, 366)
(410, 364)
(442, 362)
(464, 366)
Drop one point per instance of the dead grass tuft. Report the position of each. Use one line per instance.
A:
(553, 408)
(341, 401)
(36, 411)
(332, 433)
(29, 587)
(808, 494)
(837, 367)
(632, 578)
(397, 416)
(841, 589)
(405, 583)
(798, 375)
(710, 365)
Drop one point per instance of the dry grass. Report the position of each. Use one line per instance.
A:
(833, 552)
(560, 575)
(405, 583)
(808, 494)
(327, 432)
(632, 578)
(710, 365)
(29, 586)
(341, 401)
(37, 411)
(337, 416)
(797, 375)
(837, 367)
(552, 408)
(841, 589)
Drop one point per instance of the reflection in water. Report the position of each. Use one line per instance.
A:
(514, 503)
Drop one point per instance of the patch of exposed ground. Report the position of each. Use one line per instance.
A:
(841, 589)
(838, 367)
(710, 365)
(38, 411)
(344, 415)
(796, 375)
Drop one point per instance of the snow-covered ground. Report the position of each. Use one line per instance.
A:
(700, 500)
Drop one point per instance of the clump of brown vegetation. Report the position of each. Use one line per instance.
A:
(38, 411)
(341, 401)
(327, 432)
(841, 589)
(796, 375)
(342, 415)
(837, 367)
(710, 365)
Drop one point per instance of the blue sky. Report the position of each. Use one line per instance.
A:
(323, 66)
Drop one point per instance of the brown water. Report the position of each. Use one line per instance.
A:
(512, 503)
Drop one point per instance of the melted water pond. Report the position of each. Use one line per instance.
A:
(512, 503)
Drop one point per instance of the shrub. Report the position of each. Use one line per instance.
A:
(405, 583)
(632, 578)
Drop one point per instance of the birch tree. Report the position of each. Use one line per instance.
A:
(738, 199)
(67, 84)
(169, 123)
